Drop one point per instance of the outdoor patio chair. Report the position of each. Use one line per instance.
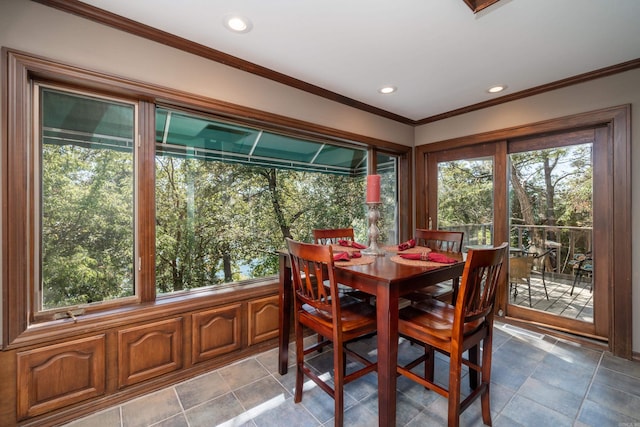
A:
(582, 266)
(520, 269)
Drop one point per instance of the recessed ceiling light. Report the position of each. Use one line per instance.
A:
(237, 23)
(387, 89)
(496, 89)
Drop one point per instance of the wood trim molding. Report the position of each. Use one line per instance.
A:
(558, 84)
(477, 5)
(118, 22)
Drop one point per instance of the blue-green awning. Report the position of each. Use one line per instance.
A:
(178, 133)
(79, 120)
(70, 119)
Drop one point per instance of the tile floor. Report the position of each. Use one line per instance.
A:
(536, 381)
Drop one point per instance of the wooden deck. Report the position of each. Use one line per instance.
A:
(577, 306)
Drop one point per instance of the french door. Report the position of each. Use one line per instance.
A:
(554, 203)
(462, 198)
(558, 193)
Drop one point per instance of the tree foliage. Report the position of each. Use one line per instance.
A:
(216, 222)
(220, 222)
(550, 187)
(87, 225)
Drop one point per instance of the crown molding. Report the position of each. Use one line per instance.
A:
(124, 24)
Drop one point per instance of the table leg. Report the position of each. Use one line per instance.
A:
(387, 319)
(284, 320)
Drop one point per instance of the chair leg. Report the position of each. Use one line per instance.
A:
(429, 363)
(529, 286)
(575, 280)
(485, 399)
(455, 371)
(320, 340)
(474, 356)
(339, 367)
(299, 363)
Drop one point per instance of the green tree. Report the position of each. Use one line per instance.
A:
(216, 217)
(87, 224)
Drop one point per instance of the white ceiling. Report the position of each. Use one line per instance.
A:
(438, 53)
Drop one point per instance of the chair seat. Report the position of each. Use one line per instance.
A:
(432, 320)
(357, 317)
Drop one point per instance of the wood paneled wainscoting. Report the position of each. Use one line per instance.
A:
(66, 370)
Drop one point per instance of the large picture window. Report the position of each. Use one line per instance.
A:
(228, 195)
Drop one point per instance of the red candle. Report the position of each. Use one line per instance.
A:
(373, 188)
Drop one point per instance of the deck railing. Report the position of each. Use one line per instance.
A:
(563, 241)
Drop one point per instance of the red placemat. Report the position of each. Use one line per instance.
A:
(414, 250)
(415, 262)
(356, 261)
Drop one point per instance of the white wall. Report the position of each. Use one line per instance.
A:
(606, 92)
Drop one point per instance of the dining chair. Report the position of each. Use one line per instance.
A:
(441, 240)
(318, 307)
(452, 330)
(329, 236)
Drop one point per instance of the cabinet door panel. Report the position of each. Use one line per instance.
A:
(59, 375)
(216, 332)
(263, 319)
(149, 351)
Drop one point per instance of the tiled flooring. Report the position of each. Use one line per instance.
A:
(536, 381)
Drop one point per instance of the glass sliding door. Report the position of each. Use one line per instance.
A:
(551, 219)
(561, 197)
(465, 199)
(461, 193)
(539, 194)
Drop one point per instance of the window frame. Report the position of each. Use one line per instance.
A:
(38, 313)
(19, 325)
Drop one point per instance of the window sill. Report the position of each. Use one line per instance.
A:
(164, 307)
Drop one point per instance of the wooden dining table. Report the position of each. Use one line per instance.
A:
(388, 280)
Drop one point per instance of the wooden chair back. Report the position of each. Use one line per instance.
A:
(328, 236)
(477, 294)
(450, 241)
(314, 283)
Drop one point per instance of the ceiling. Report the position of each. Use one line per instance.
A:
(441, 56)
